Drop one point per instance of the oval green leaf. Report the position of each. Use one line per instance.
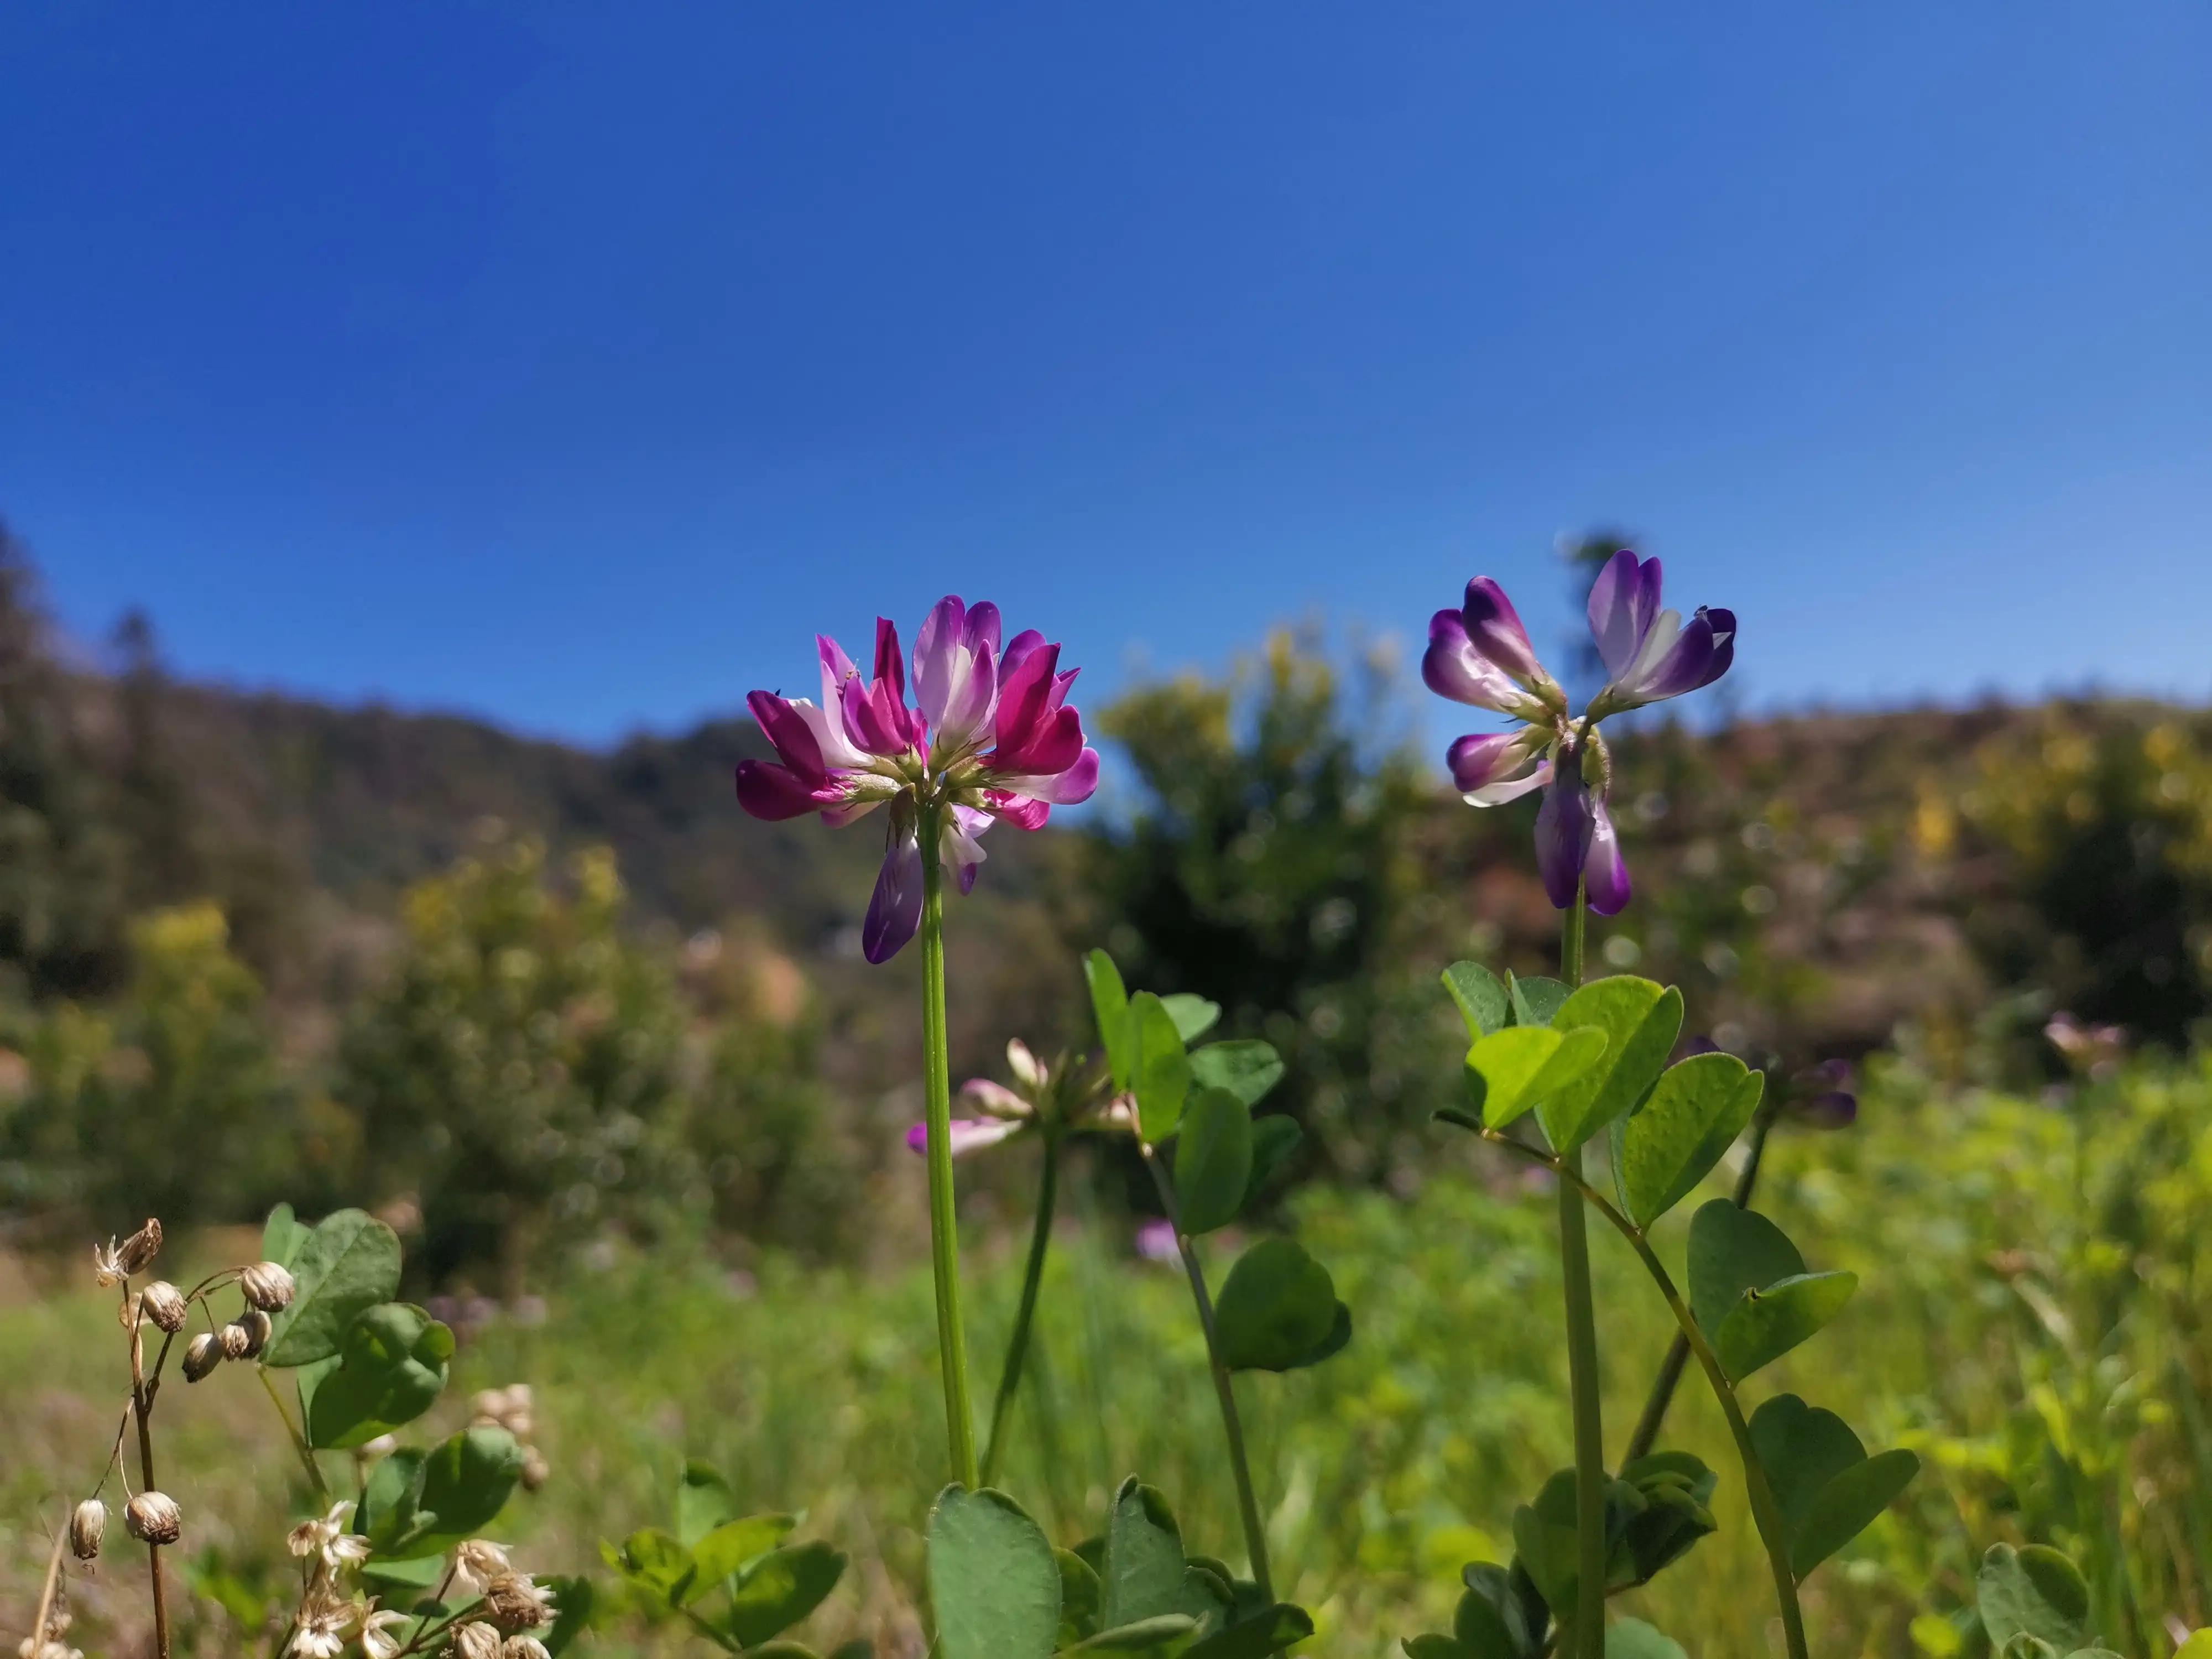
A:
(993, 1581)
(781, 1589)
(1697, 1109)
(1214, 1160)
(1193, 1016)
(2036, 1591)
(1640, 1020)
(1733, 1250)
(1766, 1324)
(1847, 1506)
(1110, 1006)
(1512, 1070)
(348, 1264)
(1277, 1311)
(1160, 1074)
(391, 1369)
(1246, 1066)
(1482, 998)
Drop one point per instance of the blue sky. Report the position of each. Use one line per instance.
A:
(574, 364)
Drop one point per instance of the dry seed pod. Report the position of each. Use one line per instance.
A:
(164, 1303)
(267, 1287)
(154, 1518)
(137, 1252)
(524, 1647)
(476, 1640)
(246, 1335)
(201, 1355)
(536, 1471)
(515, 1604)
(87, 1526)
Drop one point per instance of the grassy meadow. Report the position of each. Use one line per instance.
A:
(2030, 1319)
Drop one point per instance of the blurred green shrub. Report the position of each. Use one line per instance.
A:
(520, 1068)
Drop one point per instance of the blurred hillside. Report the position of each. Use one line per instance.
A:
(558, 992)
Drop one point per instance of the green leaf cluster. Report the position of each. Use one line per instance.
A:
(731, 1576)
(1001, 1590)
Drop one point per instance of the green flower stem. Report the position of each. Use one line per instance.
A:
(943, 1222)
(1018, 1346)
(1248, 1505)
(1766, 1514)
(1582, 1371)
(1677, 1352)
(299, 1440)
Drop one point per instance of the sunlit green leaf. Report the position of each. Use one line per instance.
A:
(1483, 1000)
(348, 1264)
(1193, 1016)
(1245, 1066)
(1641, 1021)
(1696, 1110)
(1109, 1005)
(1159, 1072)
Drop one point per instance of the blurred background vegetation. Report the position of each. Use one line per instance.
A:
(606, 1052)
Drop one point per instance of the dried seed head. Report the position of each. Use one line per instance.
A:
(31, 1648)
(244, 1336)
(154, 1518)
(164, 1303)
(524, 1647)
(516, 1605)
(479, 1561)
(267, 1287)
(536, 1471)
(87, 1526)
(137, 1252)
(106, 1265)
(201, 1355)
(476, 1640)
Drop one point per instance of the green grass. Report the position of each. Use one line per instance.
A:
(2030, 1321)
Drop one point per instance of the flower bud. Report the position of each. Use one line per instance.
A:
(267, 1287)
(137, 1252)
(163, 1303)
(201, 1355)
(154, 1518)
(87, 1526)
(476, 1640)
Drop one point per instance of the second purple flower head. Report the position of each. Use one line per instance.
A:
(990, 736)
(1481, 654)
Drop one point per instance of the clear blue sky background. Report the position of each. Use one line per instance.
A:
(574, 364)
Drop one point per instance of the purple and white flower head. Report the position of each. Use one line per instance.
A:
(990, 736)
(1479, 654)
(1066, 1095)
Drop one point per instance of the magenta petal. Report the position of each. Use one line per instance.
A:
(891, 667)
(980, 632)
(1020, 646)
(786, 729)
(1495, 627)
(1025, 698)
(772, 792)
(1063, 788)
(1605, 872)
(917, 1138)
(895, 909)
(1020, 811)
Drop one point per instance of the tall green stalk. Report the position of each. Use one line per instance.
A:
(943, 1222)
(1248, 1504)
(1018, 1346)
(1582, 1369)
(1765, 1513)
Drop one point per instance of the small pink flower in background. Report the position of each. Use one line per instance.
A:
(1059, 1097)
(990, 738)
(1156, 1241)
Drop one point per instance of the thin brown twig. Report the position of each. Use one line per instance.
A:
(46, 1593)
(141, 1396)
